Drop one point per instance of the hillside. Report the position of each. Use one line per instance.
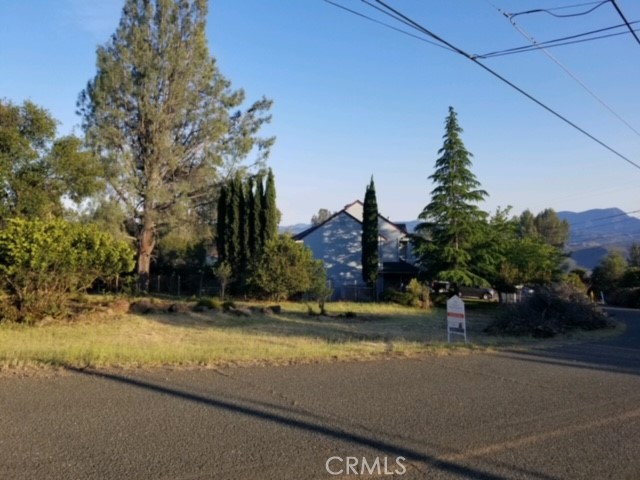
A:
(593, 233)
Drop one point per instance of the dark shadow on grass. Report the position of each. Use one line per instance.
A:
(282, 419)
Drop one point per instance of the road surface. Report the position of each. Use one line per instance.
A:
(571, 412)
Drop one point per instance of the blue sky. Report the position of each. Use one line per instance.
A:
(354, 99)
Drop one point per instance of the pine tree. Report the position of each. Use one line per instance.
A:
(163, 117)
(451, 221)
(370, 236)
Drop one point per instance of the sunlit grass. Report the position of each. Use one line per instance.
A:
(209, 339)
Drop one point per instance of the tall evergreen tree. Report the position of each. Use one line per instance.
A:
(451, 220)
(250, 204)
(258, 218)
(221, 223)
(243, 225)
(232, 223)
(370, 236)
(164, 118)
(271, 215)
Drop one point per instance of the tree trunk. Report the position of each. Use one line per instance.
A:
(146, 243)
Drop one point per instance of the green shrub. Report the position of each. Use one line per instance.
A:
(548, 312)
(210, 303)
(625, 297)
(43, 263)
(416, 295)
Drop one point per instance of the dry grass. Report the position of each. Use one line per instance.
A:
(215, 338)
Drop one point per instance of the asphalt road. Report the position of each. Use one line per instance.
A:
(571, 412)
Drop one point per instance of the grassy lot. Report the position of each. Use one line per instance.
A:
(214, 338)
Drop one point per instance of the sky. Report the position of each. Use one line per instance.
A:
(353, 98)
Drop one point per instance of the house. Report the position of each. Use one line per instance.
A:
(338, 242)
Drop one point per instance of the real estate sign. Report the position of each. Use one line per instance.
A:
(456, 319)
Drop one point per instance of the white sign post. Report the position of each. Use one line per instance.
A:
(456, 320)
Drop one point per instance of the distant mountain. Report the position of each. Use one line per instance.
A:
(594, 233)
(294, 229)
(607, 226)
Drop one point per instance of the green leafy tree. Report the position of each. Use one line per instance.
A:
(287, 268)
(37, 169)
(634, 255)
(607, 275)
(451, 220)
(320, 217)
(164, 119)
(43, 262)
(370, 236)
(554, 231)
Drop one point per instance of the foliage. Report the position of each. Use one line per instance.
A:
(549, 312)
(634, 255)
(38, 170)
(451, 220)
(608, 274)
(416, 295)
(549, 227)
(322, 216)
(271, 216)
(164, 119)
(209, 303)
(224, 274)
(43, 262)
(286, 268)
(628, 297)
(370, 236)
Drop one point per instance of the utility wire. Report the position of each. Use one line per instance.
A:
(558, 42)
(439, 39)
(624, 19)
(404, 32)
(551, 10)
(585, 87)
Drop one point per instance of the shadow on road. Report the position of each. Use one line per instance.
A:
(284, 419)
(619, 355)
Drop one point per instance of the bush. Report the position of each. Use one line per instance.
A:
(416, 295)
(228, 305)
(43, 263)
(625, 297)
(548, 312)
(209, 303)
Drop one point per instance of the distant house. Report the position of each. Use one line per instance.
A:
(338, 242)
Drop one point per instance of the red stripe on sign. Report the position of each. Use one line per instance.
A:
(455, 315)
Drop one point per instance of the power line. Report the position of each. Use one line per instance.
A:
(371, 19)
(558, 42)
(585, 87)
(551, 10)
(439, 39)
(624, 19)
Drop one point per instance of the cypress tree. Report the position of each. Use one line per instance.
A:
(250, 204)
(221, 224)
(232, 235)
(243, 226)
(270, 210)
(370, 236)
(258, 217)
